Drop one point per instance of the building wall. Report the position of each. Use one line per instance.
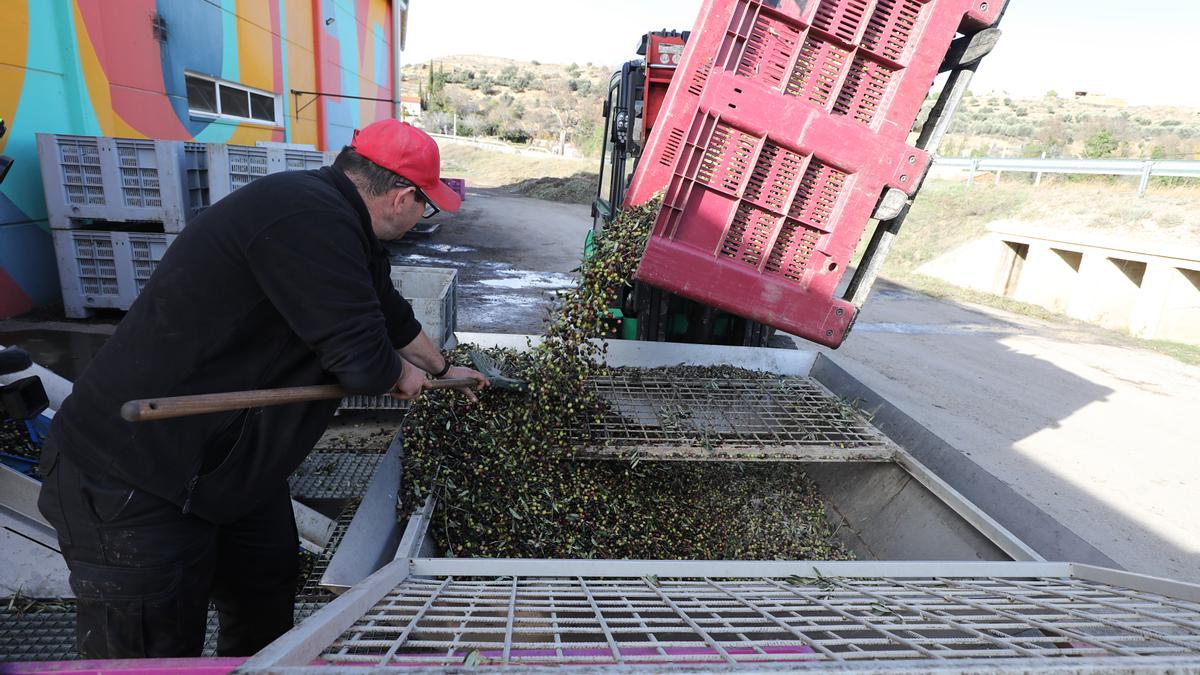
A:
(97, 67)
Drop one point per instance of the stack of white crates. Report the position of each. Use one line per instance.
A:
(116, 204)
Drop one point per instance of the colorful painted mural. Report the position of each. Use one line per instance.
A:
(118, 68)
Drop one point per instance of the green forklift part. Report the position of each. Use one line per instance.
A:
(721, 325)
(589, 245)
(680, 324)
(629, 329)
(628, 324)
(602, 208)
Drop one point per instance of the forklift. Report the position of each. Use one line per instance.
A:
(635, 96)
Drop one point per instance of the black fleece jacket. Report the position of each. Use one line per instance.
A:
(282, 283)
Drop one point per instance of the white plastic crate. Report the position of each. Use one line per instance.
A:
(234, 166)
(105, 270)
(115, 179)
(196, 178)
(433, 294)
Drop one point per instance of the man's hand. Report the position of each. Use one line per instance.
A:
(481, 381)
(410, 385)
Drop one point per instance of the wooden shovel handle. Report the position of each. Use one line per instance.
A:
(146, 410)
(450, 383)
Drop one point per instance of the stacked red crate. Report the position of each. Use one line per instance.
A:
(786, 122)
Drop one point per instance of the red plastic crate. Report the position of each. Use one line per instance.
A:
(786, 122)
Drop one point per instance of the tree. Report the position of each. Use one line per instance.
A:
(566, 116)
(433, 97)
(437, 122)
(1100, 144)
(471, 125)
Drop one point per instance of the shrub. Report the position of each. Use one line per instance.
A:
(1100, 144)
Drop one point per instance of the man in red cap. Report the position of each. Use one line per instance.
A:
(282, 283)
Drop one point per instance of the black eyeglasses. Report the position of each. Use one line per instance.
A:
(430, 209)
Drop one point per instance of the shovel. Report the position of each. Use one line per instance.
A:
(146, 410)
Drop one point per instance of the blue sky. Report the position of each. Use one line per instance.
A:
(1143, 51)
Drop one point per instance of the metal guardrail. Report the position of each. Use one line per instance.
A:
(1145, 168)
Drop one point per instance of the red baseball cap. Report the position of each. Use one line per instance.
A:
(406, 150)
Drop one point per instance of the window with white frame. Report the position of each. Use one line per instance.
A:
(212, 97)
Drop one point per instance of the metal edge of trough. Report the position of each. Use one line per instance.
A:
(375, 533)
(949, 465)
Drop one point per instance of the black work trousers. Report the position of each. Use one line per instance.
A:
(143, 572)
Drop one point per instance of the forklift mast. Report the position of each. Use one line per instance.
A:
(636, 94)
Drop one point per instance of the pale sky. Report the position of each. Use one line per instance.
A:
(1143, 51)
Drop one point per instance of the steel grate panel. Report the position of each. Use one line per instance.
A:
(334, 474)
(312, 589)
(532, 621)
(369, 402)
(45, 634)
(743, 418)
(49, 634)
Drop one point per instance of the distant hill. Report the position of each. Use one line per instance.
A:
(558, 106)
(1070, 126)
(551, 105)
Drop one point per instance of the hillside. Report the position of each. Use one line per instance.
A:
(557, 107)
(553, 106)
(1068, 126)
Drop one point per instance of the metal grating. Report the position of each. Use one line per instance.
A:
(368, 402)
(312, 590)
(718, 418)
(43, 634)
(603, 621)
(334, 474)
(49, 634)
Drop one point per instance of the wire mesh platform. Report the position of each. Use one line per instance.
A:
(533, 620)
(367, 402)
(48, 633)
(329, 474)
(312, 590)
(724, 418)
